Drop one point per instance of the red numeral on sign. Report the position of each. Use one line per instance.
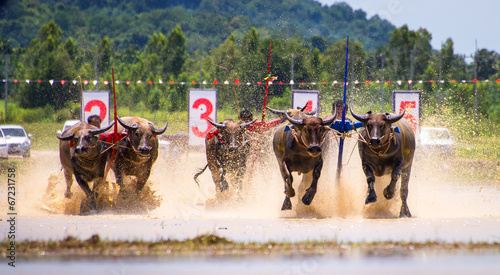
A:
(408, 115)
(99, 104)
(203, 116)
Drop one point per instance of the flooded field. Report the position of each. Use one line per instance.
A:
(446, 208)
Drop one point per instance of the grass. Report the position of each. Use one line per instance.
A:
(213, 245)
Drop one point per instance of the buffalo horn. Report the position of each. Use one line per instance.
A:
(159, 131)
(60, 137)
(294, 121)
(128, 126)
(394, 118)
(328, 121)
(246, 124)
(102, 130)
(362, 118)
(218, 125)
(277, 112)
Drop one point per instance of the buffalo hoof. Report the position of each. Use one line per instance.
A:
(287, 204)
(224, 186)
(405, 212)
(388, 194)
(309, 196)
(68, 194)
(290, 192)
(372, 197)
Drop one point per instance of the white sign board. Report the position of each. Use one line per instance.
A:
(96, 103)
(409, 100)
(301, 98)
(202, 105)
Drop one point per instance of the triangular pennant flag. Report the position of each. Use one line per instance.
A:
(127, 82)
(237, 82)
(215, 82)
(226, 82)
(106, 83)
(63, 81)
(95, 82)
(51, 82)
(86, 82)
(161, 82)
(74, 82)
(28, 81)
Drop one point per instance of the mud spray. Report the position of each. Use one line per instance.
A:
(172, 193)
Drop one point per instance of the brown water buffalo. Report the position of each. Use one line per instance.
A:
(298, 149)
(227, 154)
(81, 154)
(137, 152)
(385, 151)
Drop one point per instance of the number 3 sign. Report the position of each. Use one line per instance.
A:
(96, 103)
(409, 100)
(202, 106)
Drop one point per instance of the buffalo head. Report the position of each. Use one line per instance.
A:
(310, 131)
(85, 140)
(377, 126)
(141, 134)
(232, 134)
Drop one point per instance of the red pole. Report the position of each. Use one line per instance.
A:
(267, 82)
(115, 138)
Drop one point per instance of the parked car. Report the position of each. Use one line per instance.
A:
(67, 124)
(17, 139)
(436, 140)
(4, 148)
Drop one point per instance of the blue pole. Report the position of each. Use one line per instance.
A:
(342, 124)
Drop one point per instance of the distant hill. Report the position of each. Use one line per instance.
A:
(206, 23)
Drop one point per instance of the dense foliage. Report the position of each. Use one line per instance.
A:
(155, 41)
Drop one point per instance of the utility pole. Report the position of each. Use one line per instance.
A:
(382, 86)
(200, 73)
(6, 82)
(96, 75)
(475, 89)
(353, 57)
(440, 96)
(292, 82)
(412, 56)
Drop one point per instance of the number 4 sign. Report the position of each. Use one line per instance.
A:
(409, 100)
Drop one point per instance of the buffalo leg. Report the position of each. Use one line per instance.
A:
(86, 189)
(370, 179)
(405, 178)
(396, 173)
(68, 175)
(142, 178)
(311, 191)
(289, 192)
(119, 175)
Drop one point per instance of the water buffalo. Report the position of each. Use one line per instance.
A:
(137, 152)
(81, 154)
(384, 150)
(227, 154)
(298, 149)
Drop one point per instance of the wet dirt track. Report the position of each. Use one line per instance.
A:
(443, 211)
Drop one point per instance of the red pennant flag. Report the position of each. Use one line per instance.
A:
(431, 81)
(475, 80)
(453, 81)
(237, 82)
(150, 82)
(15, 80)
(259, 83)
(367, 82)
(63, 81)
(498, 80)
(106, 83)
(39, 81)
(86, 82)
(281, 83)
(194, 82)
(324, 82)
(388, 81)
(215, 82)
(302, 83)
(171, 82)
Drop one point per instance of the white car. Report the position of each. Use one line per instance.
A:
(4, 148)
(67, 124)
(436, 140)
(17, 139)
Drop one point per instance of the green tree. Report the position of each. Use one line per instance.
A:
(175, 52)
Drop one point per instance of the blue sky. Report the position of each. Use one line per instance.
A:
(464, 21)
